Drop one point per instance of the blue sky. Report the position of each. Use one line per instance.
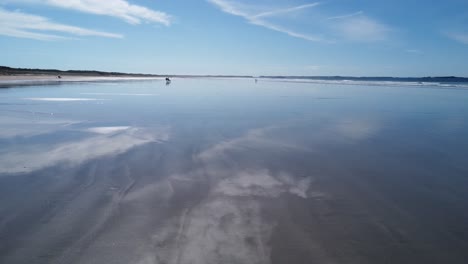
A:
(282, 37)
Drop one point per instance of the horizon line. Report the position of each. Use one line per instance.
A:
(3, 68)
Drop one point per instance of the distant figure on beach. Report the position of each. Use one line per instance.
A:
(59, 77)
(168, 81)
(256, 80)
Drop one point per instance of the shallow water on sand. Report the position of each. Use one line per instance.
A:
(233, 171)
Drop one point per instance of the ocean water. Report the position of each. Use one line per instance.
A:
(233, 171)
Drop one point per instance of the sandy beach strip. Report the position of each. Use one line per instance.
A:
(37, 79)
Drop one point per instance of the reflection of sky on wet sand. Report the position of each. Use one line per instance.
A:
(110, 141)
(19, 125)
(230, 171)
(57, 99)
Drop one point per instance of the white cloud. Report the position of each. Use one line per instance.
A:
(459, 36)
(286, 31)
(346, 16)
(259, 18)
(352, 27)
(285, 10)
(414, 51)
(362, 28)
(230, 7)
(22, 25)
(312, 67)
(133, 14)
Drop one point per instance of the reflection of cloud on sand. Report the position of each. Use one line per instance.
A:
(220, 230)
(31, 125)
(254, 137)
(250, 184)
(298, 187)
(228, 224)
(33, 157)
(262, 183)
(107, 130)
(122, 94)
(452, 124)
(225, 231)
(357, 129)
(231, 223)
(57, 99)
(234, 143)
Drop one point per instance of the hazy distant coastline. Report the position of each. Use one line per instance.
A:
(21, 74)
(10, 77)
(439, 79)
(9, 71)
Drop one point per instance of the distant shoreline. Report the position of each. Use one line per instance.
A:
(63, 78)
(21, 75)
(10, 77)
(7, 81)
(9, 71)
(429, 79)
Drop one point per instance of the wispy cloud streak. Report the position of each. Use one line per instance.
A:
(414, 51)
(22, 25)
(286, 31)
(285, 10)
(131, 13)
(362, 29)
(346, 16)
(356, 26)
(459, 36)
(259, 19)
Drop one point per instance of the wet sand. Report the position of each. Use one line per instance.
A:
(7, 81)
(216, 171)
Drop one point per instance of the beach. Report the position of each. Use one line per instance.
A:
(232, 171)
(25, 79)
